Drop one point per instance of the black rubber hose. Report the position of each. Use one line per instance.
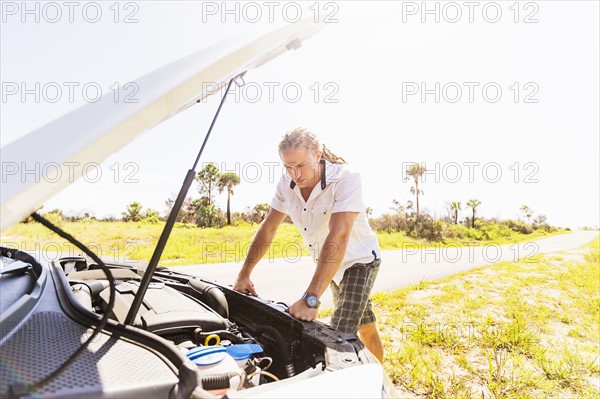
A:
(289, 364)
(217, 381)
(212, 296)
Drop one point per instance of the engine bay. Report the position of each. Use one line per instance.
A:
(237, 341)
(188, 335)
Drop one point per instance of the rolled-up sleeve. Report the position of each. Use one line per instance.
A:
(348, 194)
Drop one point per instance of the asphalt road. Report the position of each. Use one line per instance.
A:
(286, 279)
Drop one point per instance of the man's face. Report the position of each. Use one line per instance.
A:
(302, 166)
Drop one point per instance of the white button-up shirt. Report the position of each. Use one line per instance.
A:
(342, 193)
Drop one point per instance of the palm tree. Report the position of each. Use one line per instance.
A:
(528, 212)
(416, 171)
(228, 180)
(455, 206)
(473, 204)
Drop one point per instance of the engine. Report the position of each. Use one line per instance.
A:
(195, 316)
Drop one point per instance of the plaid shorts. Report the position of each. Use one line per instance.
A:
(351, 297)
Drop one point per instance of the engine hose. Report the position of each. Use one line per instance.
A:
(217, 381)
(200, 336)
(289, 364)
(212, 296)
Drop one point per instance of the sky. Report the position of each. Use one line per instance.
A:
(498, 100)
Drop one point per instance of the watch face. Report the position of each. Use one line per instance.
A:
(311, 301)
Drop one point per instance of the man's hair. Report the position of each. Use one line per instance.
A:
(303, 138)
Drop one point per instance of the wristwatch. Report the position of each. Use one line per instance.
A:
(311, 300)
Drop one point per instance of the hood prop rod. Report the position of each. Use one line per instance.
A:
(164, 236)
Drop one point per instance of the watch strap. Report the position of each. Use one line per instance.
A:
(305, 297)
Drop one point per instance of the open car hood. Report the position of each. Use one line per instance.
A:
(93, 132)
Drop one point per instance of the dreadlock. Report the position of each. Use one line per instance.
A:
(301, 137)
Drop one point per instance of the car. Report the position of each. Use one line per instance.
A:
(82, 326)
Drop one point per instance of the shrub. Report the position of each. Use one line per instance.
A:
(133, 212)
(456, 231)
(494, 231)
(545, 227)
(390, 223)
(151, 213)
(518, 226)
(258, 213)
(210, 216)
(433, 230)
(424, 226)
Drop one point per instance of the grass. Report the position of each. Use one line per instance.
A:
(525, 329)
(187, 244)
(511, 330)
(193, 245)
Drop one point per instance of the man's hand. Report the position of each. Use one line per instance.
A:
(301, 311)
(244, 285)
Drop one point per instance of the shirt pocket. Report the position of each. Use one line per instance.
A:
(321, 208)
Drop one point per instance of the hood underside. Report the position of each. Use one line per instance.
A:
(95, 131)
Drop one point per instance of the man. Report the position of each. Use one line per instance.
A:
(324, 200)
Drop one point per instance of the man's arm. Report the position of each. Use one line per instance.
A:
(258, 247)
(330, 259)
(332, 254)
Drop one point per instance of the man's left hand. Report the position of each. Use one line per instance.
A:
(301, 311)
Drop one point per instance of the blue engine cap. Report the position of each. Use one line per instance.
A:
(206, 355)
(243, 351)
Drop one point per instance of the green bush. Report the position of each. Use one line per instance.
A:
(518, 226)
(210, 216)
(544, 227)
(456, 231)
(390, 223)
(494, 231)
(132, 212)
(459, 231)
(430, 229)
(424, 226)
(151, 213)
